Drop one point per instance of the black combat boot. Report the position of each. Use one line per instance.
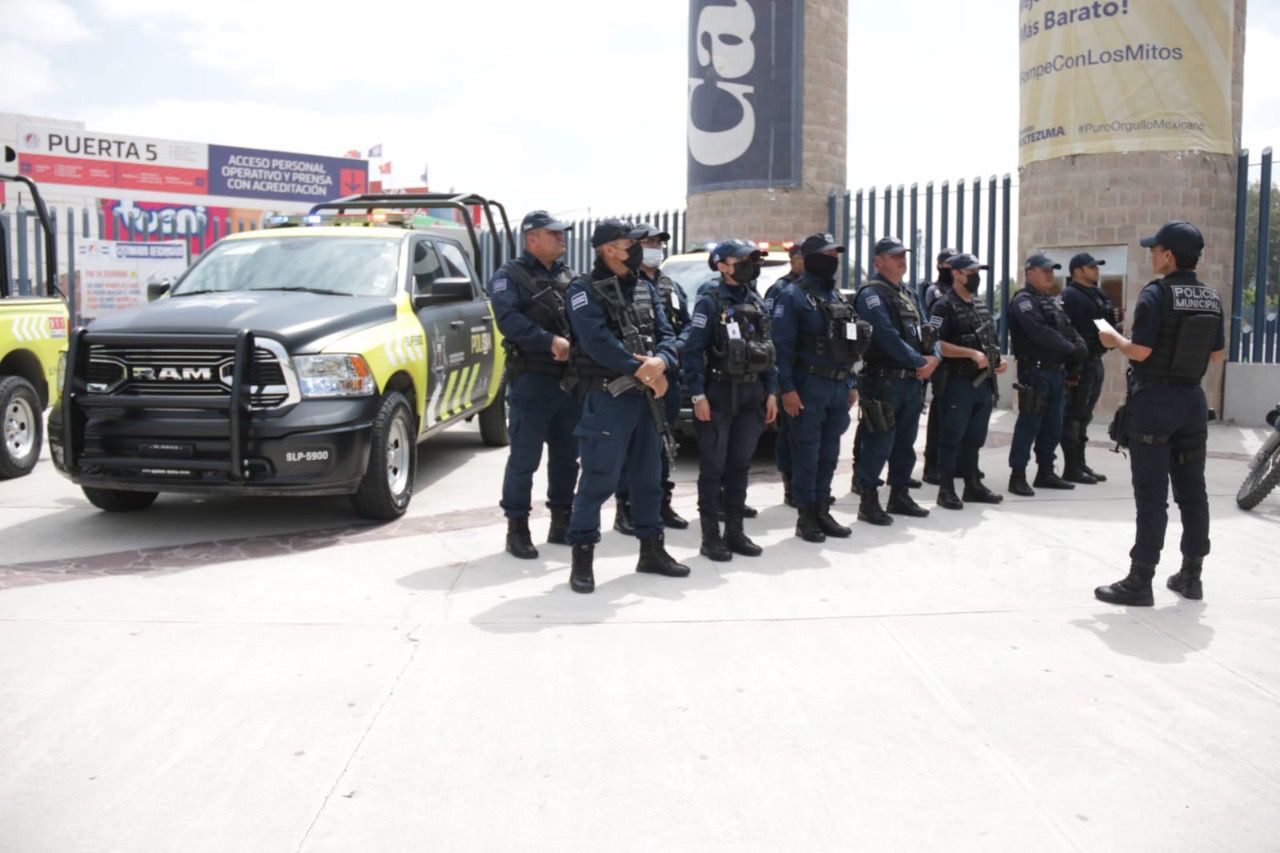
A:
(913, 483)
(1186, 582)
(807, 527)
(976, 492)
(655, 560)
(786, 489)
(869, 509)
(736, 540)
(1018, 484)
(947, 497)
(749, 511)
(901, 503)
(581, 576)
(1084, 463)
(713, 547)
(829, 525)
(671, 518)
(518, 542)
(559, 526)
(622, 519)
(854, 488)
(1134, 590)
(1046, 479)
(1074, 470)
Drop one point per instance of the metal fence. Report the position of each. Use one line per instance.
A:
(1255, 277)
(974, 217)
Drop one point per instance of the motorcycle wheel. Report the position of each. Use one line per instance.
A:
(1264, 474)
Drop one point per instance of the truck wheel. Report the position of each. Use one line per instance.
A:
(493, 421)
(22, 422)
(119, 500)
(387, 486)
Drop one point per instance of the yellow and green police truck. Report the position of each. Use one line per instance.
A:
(33, 334)
(305, 359)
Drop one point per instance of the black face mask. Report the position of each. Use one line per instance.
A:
(970, 286)
(635, 257)
(946, 276)
(821, 266)
(745, 272)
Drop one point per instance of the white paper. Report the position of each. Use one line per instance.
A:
(851, 331)
(1104, 326)
(734, 332)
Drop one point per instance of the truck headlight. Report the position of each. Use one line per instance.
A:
(62, 371)
(334, 376)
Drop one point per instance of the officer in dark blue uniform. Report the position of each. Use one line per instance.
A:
(965, 384)
(782, 440)
(1084, 302)
(729, 367)
(676, 306)
(934, 292)
(818, 339)
(1177, 331)
(527, 294)
(625, 347)
(1045, 343)
(899, 358)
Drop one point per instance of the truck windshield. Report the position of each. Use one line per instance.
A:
(347, 266)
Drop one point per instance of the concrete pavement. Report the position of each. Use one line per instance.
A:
(271, 675)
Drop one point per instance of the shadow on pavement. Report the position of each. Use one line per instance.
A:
(1166, 635)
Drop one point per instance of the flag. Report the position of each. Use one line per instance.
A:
(376, 151)
(423, 176)
(353, 154)
(384, 168)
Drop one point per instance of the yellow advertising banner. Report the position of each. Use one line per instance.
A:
(1125, 75)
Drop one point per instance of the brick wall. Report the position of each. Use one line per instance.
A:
(784, 214)
(1116, 199)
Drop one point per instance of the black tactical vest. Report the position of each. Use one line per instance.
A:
(1099, 309)
(1024, 349)
(972, 327)
(633, 323)
(741, 358)
(905, 315)
(671, 304)
(545, 291)
(835, 344)
(1190, 317)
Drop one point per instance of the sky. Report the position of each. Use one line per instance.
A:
(577, 106)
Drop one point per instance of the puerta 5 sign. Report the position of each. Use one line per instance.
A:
(745, 73)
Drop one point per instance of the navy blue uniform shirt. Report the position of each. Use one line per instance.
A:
(591, 329)
(884, 334)
(703, 326)
(510, 301)
(793, 312)
(1083, 303)
(1027, 314)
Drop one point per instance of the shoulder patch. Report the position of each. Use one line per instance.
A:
(936, 321)
(779, 309)
(1024, 305)
(500, 284)
(699, 320)
(873, 300)
(579, 299)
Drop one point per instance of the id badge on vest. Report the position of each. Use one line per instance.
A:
(733, 331)
(851, 331)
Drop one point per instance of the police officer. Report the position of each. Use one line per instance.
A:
(965, 384)
(1044, 342)
(729, 368)
(1177, 331)
(818, 340)
(1084, 302)
(900, 356)
(527, 294)
(782, 440)
(935, 291)
(623, 339)
(676, 306)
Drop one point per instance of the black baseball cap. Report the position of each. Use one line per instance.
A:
(650, 232)
(889, 246)
(946, 254)
(1176, 236)
(817, 243)
(1084, 259)
(727, 250)
(966, 262)
(535, 219)
(608, 230)
(1041, 261)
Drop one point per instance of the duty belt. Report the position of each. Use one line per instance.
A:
(834, 375)
(892, 372)
(1044, 365)
(739, 379)
(601, 383)
(556, 370)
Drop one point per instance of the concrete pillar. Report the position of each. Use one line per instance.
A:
(780, 213)
(1098, 200)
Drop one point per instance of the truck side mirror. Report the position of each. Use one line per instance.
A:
(156, 289)
(9, 154)
(444, 290)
